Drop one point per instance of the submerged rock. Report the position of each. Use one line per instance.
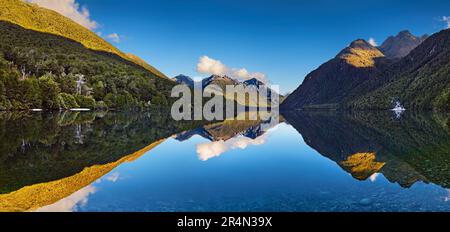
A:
(365, 201)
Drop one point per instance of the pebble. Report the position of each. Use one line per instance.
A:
(365, 202)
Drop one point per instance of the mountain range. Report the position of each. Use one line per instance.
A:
(185, 80)
(47, 61)
(399, 46)
(253, 85)
(219, 80)
(405, 69)
(227, 129)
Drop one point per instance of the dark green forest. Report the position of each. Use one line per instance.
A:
(45, 71)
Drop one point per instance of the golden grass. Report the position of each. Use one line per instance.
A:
(362, 58)
(33, 17)
(32, 197)
(141, 62)
(362, 165)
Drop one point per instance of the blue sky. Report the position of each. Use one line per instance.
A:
(284, 40)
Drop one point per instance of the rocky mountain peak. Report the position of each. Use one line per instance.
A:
(254, 82)
(183, 79)
(360, 54)
(396, 47)
(361, 44)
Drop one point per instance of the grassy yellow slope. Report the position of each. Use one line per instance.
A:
(31, 16)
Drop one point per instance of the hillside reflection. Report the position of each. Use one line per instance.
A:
(50, 162)
(46, 157)
(232, 134)
(407, 149)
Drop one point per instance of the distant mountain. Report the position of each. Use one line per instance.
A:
(222, 82)
(397, 47)
(253, 82)
(418, 81)
(259, 86)
(219, 80)
(362, 77)
(182, 79)
(253, 85)
(331, 83)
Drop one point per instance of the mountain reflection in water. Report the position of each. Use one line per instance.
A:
(53, 162)
(414, 148)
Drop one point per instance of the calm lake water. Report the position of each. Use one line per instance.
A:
(301, 161)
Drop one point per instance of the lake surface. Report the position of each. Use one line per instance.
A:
(300, 161)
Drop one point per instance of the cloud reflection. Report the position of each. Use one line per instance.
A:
(113, 177)
(78, 199)
(72, 202)
(374, 177)
(447, 198)
(210, 150)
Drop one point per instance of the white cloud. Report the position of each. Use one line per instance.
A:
(209, 65)
(207, 151)
(70, 9)
(114, 37)
(72, 202)
(446, 19)
(260, 76)
(373, 42)
(242, 74)
(210, 150)
(244, 142)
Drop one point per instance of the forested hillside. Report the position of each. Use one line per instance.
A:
(420, 80)
(369, 80)
(31, 16)
(47, 61)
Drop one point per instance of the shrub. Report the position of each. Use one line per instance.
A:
(110, 100)
(85, 101)
(4, 104)
(50, 92)
(442, 102)
(101, 105)
(26, 55)
(159, 100)
(67, 101)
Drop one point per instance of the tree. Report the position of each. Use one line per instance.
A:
(32, 93)
(26, 55)
(67, 101)
(50, 91)
(99, 90)
(85, 101)
(2, 88)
